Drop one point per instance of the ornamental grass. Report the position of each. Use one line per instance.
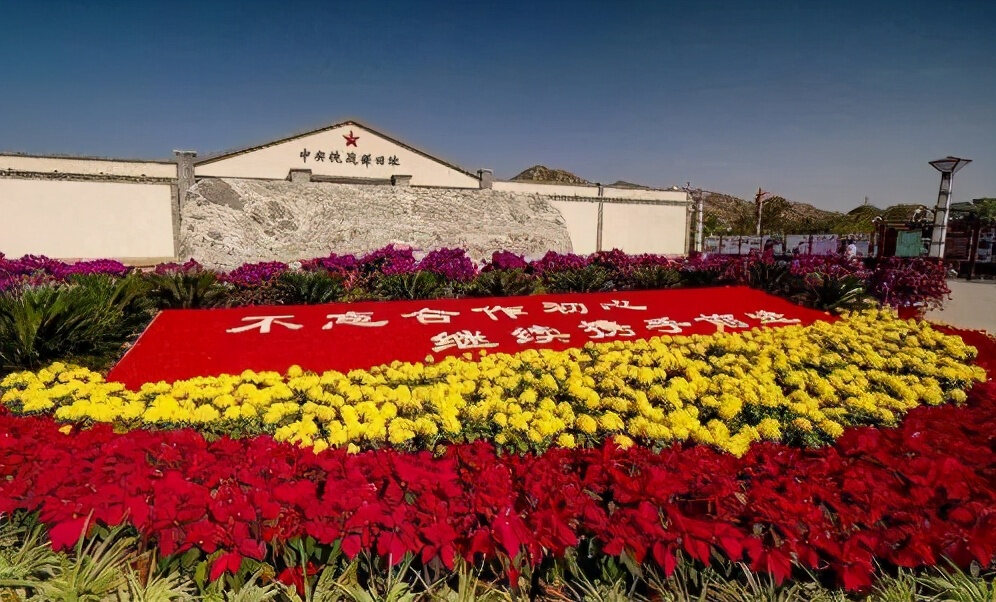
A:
(800, 385)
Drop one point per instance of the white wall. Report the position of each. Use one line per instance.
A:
(582, 223)
(644, 228)
(275, 161)
(645, 195)
(546, 189)
(85, 219)
(87, 166)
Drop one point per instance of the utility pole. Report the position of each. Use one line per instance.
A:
(759, 203)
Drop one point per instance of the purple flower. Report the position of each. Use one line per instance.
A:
(254, 274)
(59, 270)
(908, 282)
(554, 261)
(730, 269)
(339, 264)
(832, 266)
(190, 265)
(506, 260)
(95, 266)
(8, 283)
(450, 263)
(30, 264)
(389, 260)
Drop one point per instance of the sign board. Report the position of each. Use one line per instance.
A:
(730, 245)
(751, 243)
(909, 243)
(957, 245)
(987, 242)
(797, 244)
(776, 244)
(825, 244)
(181, 344)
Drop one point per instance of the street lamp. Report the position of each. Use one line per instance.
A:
(947, 166)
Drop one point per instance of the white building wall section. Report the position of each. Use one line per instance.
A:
(640, 194)
(546, 189)
(69, 219)
(582, 223)
(87, 166)
(644, 228)
(274, 161)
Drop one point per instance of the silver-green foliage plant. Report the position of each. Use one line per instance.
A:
(112, 565)
(25, 557)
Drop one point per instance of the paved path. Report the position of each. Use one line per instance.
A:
(972, 305)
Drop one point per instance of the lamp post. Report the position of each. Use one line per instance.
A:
(947, 166)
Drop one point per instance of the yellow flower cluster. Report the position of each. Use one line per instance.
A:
(798, 384)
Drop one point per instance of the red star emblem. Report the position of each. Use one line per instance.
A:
(351, 139)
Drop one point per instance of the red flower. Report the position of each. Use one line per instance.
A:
(229, 562)
(906, 496)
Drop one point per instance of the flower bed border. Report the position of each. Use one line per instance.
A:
(907, 496)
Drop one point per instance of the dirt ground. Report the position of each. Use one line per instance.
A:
(972, 305)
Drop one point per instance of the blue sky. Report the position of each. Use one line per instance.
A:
(824, 102)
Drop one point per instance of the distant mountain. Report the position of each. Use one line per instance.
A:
(724, 213)
(629, 185)
(728, 214)
(541, 173)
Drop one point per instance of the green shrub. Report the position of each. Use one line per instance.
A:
(770, 276)
(503, 283)
(653, 277)
(589, 279)
(700, 277)
(190, 289)
(832, 294)
(264, 293)
(411, 285)
(306, 288)
(86, 321)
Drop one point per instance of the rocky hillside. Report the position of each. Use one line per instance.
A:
(541, 173)
(726, 213)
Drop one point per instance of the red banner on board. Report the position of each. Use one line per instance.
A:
(181, 344)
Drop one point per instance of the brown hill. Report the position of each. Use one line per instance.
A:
(541, 173)
(727, 214)
(629, 185)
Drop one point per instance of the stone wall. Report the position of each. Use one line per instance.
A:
(228, 221)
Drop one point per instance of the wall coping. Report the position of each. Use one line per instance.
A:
(84, 158)
(78, 177)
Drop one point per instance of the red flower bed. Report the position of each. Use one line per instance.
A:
(904, 496)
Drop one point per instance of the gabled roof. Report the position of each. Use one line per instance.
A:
(226, 154)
